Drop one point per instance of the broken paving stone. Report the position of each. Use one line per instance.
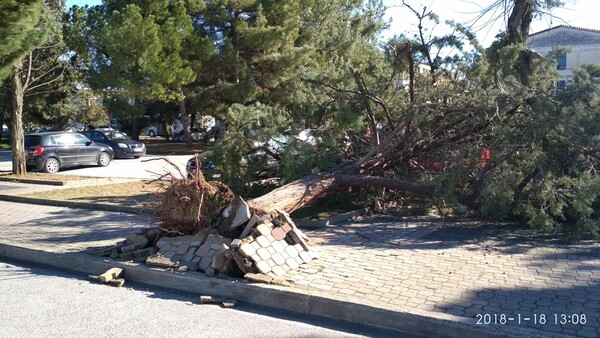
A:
(247, 249)
(258, 277)
(118, 282)
(160, 261)
(211, 300)
(219, 259)
(296, 238)
(241, 214)
(249, 226)
(230, 303)
(110, 274)
(139, 240)
(236, 243)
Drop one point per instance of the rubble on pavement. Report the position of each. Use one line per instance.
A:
(237, 244)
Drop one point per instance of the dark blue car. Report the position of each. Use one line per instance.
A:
(122, 144)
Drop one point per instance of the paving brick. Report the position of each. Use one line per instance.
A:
(203, 250)
(247, 249)
(263, 229)
(291, 251)
(278, 270)
(278, 258)
(292, 263)
(278, 233)
(263, 254)
(263, 267)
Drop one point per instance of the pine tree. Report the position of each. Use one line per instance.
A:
(20, 32)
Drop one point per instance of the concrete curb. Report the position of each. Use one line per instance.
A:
(29, 181)
(270, 296)
(76, 205)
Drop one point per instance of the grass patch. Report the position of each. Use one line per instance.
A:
(131, 194)
(4, 145)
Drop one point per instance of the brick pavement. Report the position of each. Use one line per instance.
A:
(456, 271)
(465, 270)
(63, 230)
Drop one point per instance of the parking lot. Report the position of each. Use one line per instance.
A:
(140, 168)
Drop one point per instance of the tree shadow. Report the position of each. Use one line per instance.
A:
(573, 310)
(430, 233)
(72, 226)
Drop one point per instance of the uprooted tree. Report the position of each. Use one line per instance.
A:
(492, 134)
(485, 129)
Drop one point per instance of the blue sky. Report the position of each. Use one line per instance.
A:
(580, 13)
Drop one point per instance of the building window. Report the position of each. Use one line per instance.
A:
(561, 84)
(561, 61)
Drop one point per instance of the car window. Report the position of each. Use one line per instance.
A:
(98, 137)
(116, 135)
(32, 140)
(64, 139)
(80, 139)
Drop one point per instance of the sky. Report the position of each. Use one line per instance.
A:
(579, 13)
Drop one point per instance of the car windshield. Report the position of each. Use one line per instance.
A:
(116, 135)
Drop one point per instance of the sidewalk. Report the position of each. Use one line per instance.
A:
(415, 275)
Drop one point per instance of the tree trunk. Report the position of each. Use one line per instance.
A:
(186, 123)
(16, 132)
(301, 192)
(294, 195)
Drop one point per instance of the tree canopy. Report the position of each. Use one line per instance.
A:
(484, 130)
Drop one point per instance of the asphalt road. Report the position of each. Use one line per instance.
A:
(38, 302)
(140, 168)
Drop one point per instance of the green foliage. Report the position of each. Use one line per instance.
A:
(20, 31)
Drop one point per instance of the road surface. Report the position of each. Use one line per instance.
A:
(39, 302)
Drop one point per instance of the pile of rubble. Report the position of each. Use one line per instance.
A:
(251, 246)
(270, 244)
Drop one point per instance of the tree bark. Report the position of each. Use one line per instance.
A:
(294, 195)
(16, 132)
(185, 121)
(301, 192)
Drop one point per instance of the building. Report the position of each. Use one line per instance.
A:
(584, 45)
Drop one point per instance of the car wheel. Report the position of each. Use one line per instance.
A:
(103, 159)
(151, 133)
(51, 165)
(136, 156)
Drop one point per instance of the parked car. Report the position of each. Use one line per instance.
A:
(122, 144)
(51, 151)
(196, 134)
(208, 169)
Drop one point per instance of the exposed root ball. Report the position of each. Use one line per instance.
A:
(188, 205)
